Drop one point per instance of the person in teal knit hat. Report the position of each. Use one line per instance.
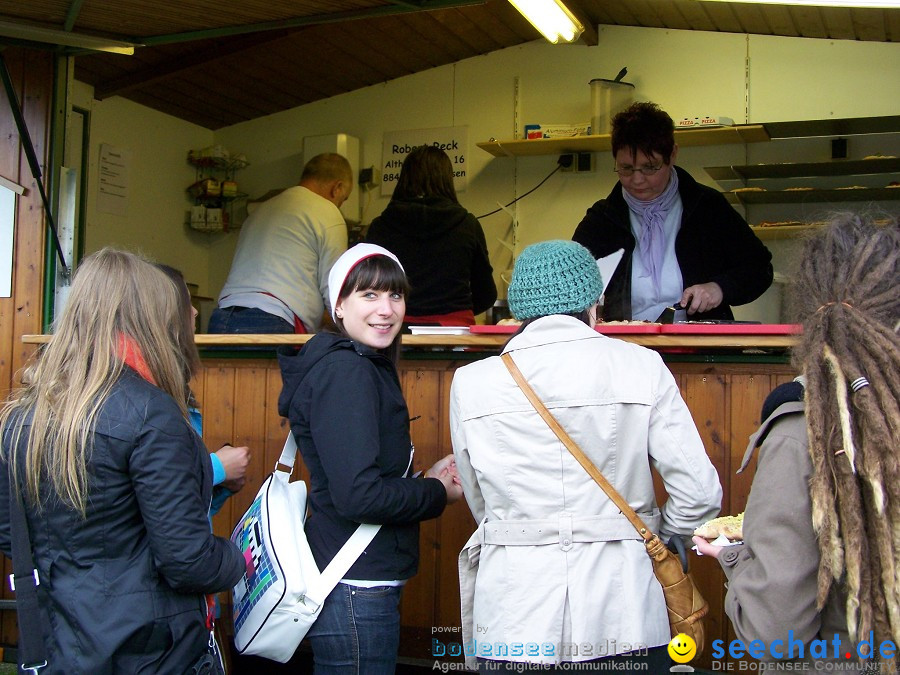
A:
(573, 574)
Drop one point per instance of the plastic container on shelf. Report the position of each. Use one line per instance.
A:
(608, 97)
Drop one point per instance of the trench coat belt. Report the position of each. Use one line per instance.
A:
(565, 530)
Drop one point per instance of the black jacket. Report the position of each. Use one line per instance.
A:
(713, 244)
(351, 424)
(442, 248)
(121, 590)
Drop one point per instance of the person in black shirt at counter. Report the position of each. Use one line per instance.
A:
(439, 243)
(683, 242)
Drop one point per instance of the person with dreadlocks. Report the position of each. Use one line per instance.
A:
(821, 543)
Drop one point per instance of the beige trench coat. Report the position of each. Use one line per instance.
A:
(558, 567)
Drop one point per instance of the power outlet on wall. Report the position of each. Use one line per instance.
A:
(576, 162)
(367, 178)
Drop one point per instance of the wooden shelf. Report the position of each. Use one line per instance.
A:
(742, 133)
(840, 167)
(783, 231)
(812, 196)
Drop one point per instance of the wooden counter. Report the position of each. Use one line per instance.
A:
(239, 394)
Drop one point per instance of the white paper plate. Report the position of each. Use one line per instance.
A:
(439, 330)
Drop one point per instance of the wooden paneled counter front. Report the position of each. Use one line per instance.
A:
(723, 386)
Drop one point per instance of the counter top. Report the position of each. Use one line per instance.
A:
(654, 341)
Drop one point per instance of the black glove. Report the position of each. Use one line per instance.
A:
(677, 545)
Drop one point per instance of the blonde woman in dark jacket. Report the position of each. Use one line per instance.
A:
(115, 483)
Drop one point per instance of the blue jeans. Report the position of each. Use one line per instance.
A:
(242, 320)
(358, 631)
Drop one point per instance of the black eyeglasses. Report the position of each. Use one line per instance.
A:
(628, 171)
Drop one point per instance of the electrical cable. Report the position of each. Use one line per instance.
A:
(490, 213)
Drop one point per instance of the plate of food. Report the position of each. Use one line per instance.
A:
(730, 527)
(626, 327)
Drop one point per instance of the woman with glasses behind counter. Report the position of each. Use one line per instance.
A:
(683, 242)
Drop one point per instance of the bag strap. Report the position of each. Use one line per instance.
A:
(572, 446)
(24, 582)
(350, 551)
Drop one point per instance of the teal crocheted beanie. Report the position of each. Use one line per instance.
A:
(554, 277)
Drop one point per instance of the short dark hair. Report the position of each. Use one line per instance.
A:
(376, 273)
(426, 171)
(646, 127)
(327, 167)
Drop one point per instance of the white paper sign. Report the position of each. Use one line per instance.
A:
(112, 194)
(398, 144)
(7, 229)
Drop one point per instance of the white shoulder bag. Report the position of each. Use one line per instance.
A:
(281, 594)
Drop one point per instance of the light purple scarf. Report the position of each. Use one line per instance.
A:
(652, 241)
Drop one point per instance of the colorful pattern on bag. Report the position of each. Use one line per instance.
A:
(260, 574)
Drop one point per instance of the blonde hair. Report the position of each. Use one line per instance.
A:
(114, 294)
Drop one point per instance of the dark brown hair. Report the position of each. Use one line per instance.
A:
(426, 171)
(646, 127)
(188, 347)
(845, 293)
(376, 273)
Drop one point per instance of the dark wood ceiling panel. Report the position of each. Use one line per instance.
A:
(619, 13)
(810, 21)
(383, 54)
(695, 14)
(891, 25)
(309, 79)
(242, 72)
(870, 24)
(671, 17)
(723, 17)
(839, 23)
(781, 21)
(752, 18)
(476, 39)
(427, 24)
(394, 41)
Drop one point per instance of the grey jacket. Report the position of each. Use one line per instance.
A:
(772, 576)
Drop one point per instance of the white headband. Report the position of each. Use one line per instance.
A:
(348, 260)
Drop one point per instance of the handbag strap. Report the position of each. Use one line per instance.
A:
(572, 446)
(351, 550)
(24, 582)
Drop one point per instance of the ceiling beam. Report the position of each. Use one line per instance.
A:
(398, 7)
(201, 58)
(589, 36)
(72, 14)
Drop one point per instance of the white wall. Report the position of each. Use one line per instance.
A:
(687, 73)
(154, 223)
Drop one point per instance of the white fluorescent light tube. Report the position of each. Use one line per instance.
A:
(23, 31)
(551, 18)
(874, 4)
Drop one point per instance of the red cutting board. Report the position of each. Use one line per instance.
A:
(491, 329)
(600, 328)
(731, 329)
(627, 328)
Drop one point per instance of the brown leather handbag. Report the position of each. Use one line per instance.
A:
(684, 603)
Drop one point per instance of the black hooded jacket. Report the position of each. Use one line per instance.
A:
(713, 244)
(351, 424)
(443, 250)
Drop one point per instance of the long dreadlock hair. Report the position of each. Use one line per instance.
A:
(846, 294)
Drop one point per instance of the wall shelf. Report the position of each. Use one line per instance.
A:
(839, 167)
(813, 196)
(741, 133)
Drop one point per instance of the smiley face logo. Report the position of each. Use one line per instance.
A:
(682, 648)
